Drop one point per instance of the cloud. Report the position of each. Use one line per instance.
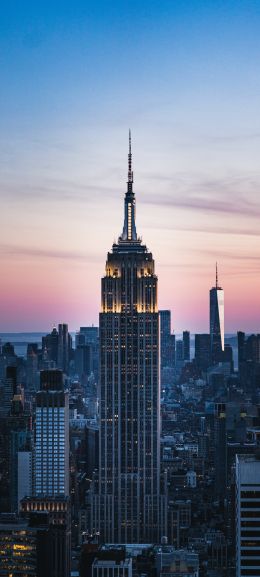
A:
(237, 194)
(210, 230)
(34, 252)
(53, 191)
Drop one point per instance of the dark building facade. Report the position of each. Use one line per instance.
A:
(50, 345)
(186, 345)
(165, 333)
(64, 348)
(129, 468)
(57, 543)
(249, 361)
(202, 351)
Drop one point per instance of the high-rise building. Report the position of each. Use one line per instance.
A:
(186, 345)
(202, 351)
(129, 468)
(31, 367)
(220, 449)
(17, 439)
(23, 547)
(216, 322)
(88, 337)
(83, 360)
(8, 358)
(247, 515)
(52, 436)
(179, 352)
(58, 539)
(64, 347)
(165, 333)
(50, 344)
(9, 390)
(249, 361)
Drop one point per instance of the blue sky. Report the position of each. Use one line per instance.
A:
(184, 75)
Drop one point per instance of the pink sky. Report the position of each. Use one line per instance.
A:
(53, 255)
(184, 77)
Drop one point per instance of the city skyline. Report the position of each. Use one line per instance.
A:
(187, 83)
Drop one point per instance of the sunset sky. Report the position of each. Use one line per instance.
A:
(74, 76)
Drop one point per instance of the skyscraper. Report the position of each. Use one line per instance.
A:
(50, 344)
(129, 467)
(216, 322)
(52, 436)
(165, 334)
(247, 515)
(186, 345)
(64, 347)
(220, 449)
(202, 351)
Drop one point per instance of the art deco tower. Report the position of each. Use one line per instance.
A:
(216, 322)
(129, 468)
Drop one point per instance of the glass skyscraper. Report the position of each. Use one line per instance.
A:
(129, 467)
(52, 436)
(217, 334)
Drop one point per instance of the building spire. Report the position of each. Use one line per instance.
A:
(129, 230)
(130, 172)
(216, 275)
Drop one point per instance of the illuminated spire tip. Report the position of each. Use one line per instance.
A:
(130, 172)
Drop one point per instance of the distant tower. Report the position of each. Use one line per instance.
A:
(186, 345)
(216, 322)
(52, 436)
(202, 351)
(129, 468)
(64, 347)
(165, 333)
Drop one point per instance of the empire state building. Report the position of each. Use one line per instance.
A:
(129, 466)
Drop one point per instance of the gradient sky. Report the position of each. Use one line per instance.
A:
(74, 76)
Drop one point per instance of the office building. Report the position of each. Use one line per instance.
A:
(52, 436)
(83, 361)
(9, 389)
(24, 475)
(167, 341)
(202, 351)
(89, 337)
(165, 332)
(57, 510)
(18, 442)
(112, 562)
(179, 352)
(64, 348)
(31, 367)
(176, 562)
(19, 544)
(216, 303)
(129, 468)
(247, 516)
(50, 344)
(249, 361)
(220, 449)
(186, 345)
(8, 358)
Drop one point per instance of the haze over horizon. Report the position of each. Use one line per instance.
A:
(185, 77)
